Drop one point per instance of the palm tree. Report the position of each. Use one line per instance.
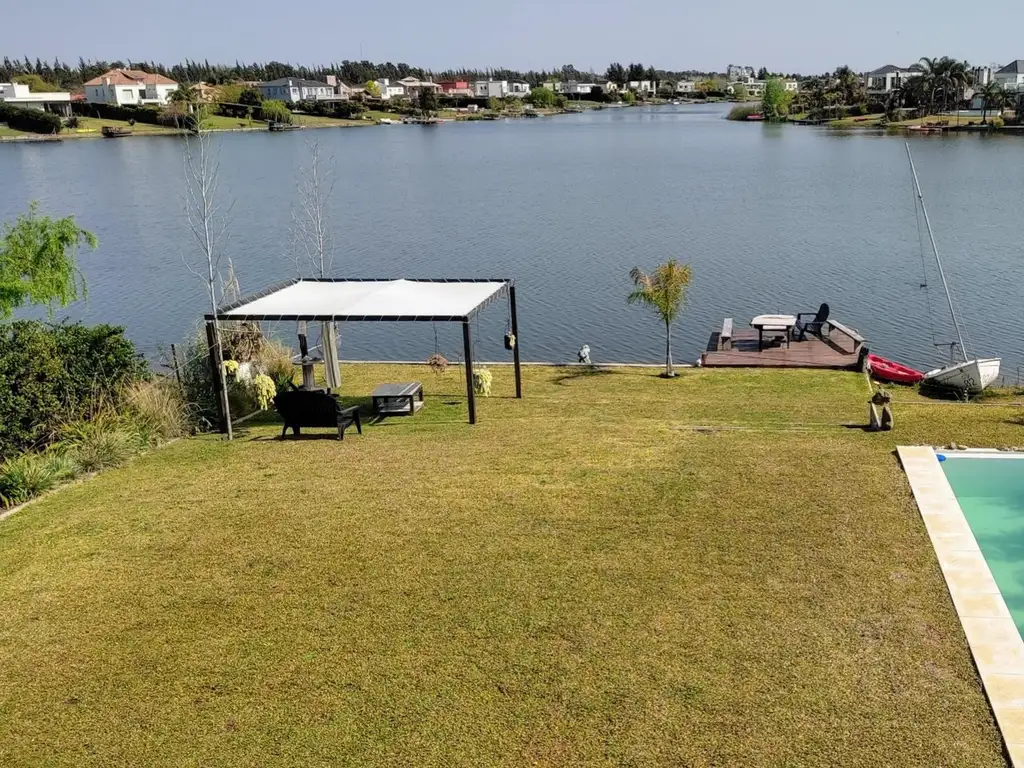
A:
(993, 96)
(664, 290)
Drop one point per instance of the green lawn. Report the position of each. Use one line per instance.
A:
(619, 570)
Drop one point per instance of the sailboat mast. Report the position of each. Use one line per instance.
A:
(935, 250)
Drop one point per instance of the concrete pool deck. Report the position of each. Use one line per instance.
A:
(992, 634)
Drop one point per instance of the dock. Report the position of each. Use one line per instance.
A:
(837, 347)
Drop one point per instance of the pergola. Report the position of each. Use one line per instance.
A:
(377, 300)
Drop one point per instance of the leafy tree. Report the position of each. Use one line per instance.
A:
(231, 93)
(706, 86)
(560, 100)
(739, 90)
(541, 97)
(495, 104)
(184, 94)
(250, 96)
(372, 89)
(664, 291)
(276, 111)
(776, 99)
(635, 72)
(628, 97)
(616, 73)
(848, 86)
(35, 83)
(428, 101)
(762, 73)
(37, 261)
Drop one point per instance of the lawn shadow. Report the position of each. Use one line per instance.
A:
(582, 372)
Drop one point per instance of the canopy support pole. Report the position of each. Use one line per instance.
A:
(467, 343)
(216, 369)
(515, 332)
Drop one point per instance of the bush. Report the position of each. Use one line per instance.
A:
(275, 360)
(72, 122)
(104, 441)
(148, 115)
(51, 374)
(31, 120)
(997, 122)
(158, 410)
(743, 111)
(32, 474)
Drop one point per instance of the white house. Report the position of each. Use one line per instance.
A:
(293, 89)
(413, 87)
(737, 74)
(886, 79)
(518, 87)
(643, 87)
(486, 89)
(792, 86)
(19, 95)
(686, 86)
(129, 86)
(1011, 77)
(389, 90)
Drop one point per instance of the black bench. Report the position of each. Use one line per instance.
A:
(301, 408)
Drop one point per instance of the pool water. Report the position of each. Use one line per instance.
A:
(990, 491)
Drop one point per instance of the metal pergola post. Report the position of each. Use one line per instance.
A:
(467, 343)
(515, 332)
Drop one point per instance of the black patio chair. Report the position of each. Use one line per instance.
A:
(301, 408)
(808, 323)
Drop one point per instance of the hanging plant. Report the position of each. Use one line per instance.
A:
(264, 388)
(231, 367)
(510, 341)
(482, 382)
(438, 363)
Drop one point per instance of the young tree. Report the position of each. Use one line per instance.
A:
(664, 291)
(312, 228)
(275, 110)
(207, 221)
(628, 97)
(775, 101)
(739, 91)
(541, 97)
(428, 102)
(372, 89)
(993, 97)
(37, 261)
(616, 73)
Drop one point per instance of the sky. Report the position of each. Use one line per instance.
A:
(794, 37)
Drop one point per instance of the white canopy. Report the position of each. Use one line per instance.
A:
(353, 300)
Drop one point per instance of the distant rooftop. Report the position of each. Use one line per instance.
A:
(298, 82)
(1015, 67)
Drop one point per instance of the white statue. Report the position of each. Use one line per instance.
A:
(584, 354)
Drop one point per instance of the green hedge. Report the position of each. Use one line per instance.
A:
(31, 120)
(52, 374)
(149, 115)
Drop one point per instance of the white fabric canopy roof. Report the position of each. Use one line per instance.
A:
(367, 300)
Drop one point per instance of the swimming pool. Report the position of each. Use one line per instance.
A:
(990, 491)
(972, 505)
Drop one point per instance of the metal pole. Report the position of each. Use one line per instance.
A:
(515, 332)
(468, 346)
(935, 250)
(215, 373)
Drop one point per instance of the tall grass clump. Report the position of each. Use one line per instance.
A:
(32, 474)
(158, 410)
(106, 440)
(275, 360)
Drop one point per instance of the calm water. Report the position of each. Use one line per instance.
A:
(771, 218)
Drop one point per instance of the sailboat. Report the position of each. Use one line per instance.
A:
(971, 375)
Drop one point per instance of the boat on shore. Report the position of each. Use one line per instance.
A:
(278, 127)
(889, 370)
(115, 132)
(970, 375)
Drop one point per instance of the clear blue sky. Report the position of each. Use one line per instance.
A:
(800, 36)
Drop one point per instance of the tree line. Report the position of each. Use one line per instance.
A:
(60, 74)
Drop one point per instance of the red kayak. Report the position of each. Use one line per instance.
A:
(888, 370)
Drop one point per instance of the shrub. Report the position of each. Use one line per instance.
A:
(275, 360)
(31, 120)
(158, 410)
(197, 381)
(98, 363)
(31, 474)
(743, 111)
(129, 113)
(72, 122)
(30, 373)
(104, 441)
(997, 122)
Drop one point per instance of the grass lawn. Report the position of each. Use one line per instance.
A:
(374, 114)
(5, 131)
(91, 127)
(616, 570)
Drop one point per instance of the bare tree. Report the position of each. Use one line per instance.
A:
(314, 238)
(207, 220)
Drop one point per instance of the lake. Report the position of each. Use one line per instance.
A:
(770, 217)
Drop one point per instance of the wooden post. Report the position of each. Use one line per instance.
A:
(515, 332)
(467, 343)
(216, 367)
(177, 368)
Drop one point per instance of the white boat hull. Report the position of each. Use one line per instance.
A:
(971, 376)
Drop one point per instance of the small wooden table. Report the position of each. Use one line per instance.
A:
(773, 324)
(397, 399)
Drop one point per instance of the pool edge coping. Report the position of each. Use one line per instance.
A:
(992, 635)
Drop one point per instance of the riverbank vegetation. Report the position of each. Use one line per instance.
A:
(616, 565)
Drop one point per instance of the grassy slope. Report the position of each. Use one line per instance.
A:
(583, 577)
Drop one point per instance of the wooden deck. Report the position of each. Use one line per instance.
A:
(838, 352)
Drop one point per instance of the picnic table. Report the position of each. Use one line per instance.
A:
(773, 324)
(397, 399)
